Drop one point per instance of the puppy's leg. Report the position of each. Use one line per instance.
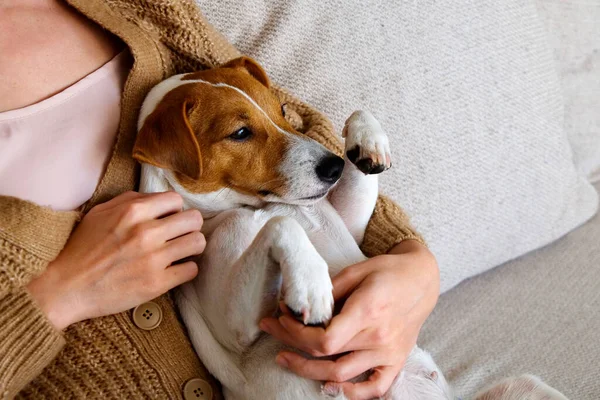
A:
(526, 387)
(280, 259)
(367, 153)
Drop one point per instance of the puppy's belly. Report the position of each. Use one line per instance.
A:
(327, 232)
(267, 381)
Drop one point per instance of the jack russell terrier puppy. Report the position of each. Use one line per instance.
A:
(282, 215)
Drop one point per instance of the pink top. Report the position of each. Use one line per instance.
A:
(54, 152)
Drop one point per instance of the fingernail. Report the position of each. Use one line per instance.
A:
(282, 361)
(262, 325)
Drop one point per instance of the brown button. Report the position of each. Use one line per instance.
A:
(197, 389)
(147, 316)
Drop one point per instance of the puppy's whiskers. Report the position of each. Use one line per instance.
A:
(263, 186)
(221, 191)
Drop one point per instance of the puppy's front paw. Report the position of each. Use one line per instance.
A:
(367, 145)
(525, 387)
(308, 291)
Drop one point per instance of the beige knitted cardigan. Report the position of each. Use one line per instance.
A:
(110, 357)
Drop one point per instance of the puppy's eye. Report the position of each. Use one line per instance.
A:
(241, 134)
(283, 109)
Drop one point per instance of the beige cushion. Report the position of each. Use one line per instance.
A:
(574, 32)
(538, 314)
(469, 94)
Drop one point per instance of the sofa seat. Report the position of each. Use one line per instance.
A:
(538, 314)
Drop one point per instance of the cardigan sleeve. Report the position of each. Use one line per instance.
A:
(194, 44)
(30, 237)
(28, 341)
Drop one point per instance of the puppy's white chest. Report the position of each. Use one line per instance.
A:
(325, 229)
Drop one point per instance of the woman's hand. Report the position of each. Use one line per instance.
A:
(120, 256)
(388, 299)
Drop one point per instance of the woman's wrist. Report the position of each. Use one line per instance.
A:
(409, 245)
(49, 294)
(424, 258)
(424, 267)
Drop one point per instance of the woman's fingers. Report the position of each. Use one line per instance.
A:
(346, 281)
(138, 210)
(184, 246)
(375, 387)
(274, 328)
(118, 200)
(180, 273)
(316, 341)
(158, 205)
(342, 328)
(176, 225)
(140, 207)
(366, 339)
(344, 368)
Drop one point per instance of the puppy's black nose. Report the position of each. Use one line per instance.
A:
(330, 169)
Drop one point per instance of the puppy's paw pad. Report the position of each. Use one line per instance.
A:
(304, 315)
(366, 164)
(367, 145)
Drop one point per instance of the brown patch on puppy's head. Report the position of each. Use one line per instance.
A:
(224, 128)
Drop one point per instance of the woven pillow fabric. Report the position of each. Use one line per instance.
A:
(468, 92)
(574, 32)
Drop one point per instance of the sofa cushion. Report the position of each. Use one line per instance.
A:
(574, 32)
(539, 314)
(469, 94)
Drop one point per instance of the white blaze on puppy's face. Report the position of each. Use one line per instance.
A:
(223, 131)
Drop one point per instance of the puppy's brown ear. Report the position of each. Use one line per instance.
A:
(167, 140)
(250, 66)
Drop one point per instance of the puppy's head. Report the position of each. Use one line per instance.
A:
(224, 129)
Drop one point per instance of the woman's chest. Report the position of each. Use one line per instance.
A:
(47, 47)
(59, 120)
